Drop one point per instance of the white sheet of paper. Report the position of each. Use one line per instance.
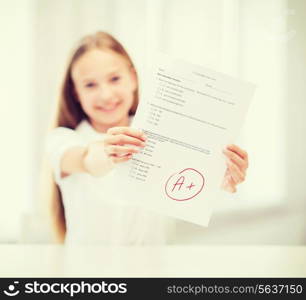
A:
(189, 113)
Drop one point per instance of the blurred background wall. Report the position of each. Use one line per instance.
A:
(259, 41)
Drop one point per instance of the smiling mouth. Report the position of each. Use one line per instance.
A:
(108, 109)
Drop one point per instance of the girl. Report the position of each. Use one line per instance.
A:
(98, 99)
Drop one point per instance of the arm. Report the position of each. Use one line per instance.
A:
(91, 159)
(73, 161)
(100, 157)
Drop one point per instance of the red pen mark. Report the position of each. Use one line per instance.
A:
(190, 186)
(179, 182)
(184, 185)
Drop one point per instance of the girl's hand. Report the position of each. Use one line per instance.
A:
(237, 164)
(122, 142)
(117, 147)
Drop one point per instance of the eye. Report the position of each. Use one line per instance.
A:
(90, 85)
(115, 78)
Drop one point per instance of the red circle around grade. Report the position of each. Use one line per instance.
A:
(203, 179)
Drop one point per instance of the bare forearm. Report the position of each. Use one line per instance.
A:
(99, 157)
(72, 161)
(76, 160)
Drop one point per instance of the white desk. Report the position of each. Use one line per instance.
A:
(171, 261)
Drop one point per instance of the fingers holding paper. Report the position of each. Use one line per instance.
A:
(237, 163)
(122, 142)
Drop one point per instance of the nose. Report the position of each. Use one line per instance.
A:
(105, 94)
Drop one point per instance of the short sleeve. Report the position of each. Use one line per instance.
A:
(58, 141)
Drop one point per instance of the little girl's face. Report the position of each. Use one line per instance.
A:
(105, 86)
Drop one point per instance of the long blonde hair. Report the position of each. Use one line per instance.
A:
(70, 113)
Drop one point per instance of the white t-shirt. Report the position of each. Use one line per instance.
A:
(91, 215)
